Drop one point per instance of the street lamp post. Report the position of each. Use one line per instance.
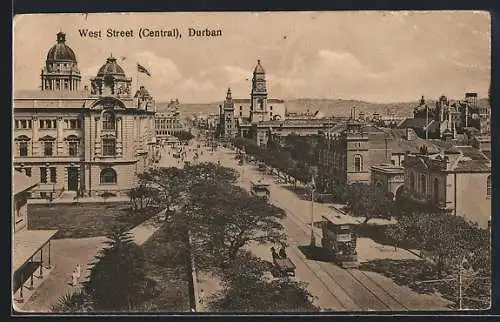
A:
(313, 239)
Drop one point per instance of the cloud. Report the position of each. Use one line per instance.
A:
(342, 62)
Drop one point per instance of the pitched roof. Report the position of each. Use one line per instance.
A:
(22, 182)
(399, 143)
(420, 123)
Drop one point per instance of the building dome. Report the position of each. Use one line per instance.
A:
(111, 68)
(259, 69)
(61, 51)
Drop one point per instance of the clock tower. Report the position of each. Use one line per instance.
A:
(258, 108)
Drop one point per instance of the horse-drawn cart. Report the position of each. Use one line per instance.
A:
(283, 267)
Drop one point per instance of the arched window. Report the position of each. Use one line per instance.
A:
(423, 185)
(488, 187)
(358, 163)
(436, 190)
(108, 121)
(108, 176)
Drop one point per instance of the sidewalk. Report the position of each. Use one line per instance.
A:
(80, 200)
(66, 254)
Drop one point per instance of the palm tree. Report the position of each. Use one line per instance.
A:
(117, 278)
(73, 302)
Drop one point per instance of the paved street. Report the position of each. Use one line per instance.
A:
(333, 287)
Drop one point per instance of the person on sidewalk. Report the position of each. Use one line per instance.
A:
(74, 278)
(201, 297)
(78, 270)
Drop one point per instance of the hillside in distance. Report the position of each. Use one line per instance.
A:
(329, 107)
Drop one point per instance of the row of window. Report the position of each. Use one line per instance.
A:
(48, 148)
(166, 132)
(48, 124)
(421, 187)
(49, 175)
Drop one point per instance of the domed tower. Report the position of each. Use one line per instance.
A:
(258, 109)
(61, 69)
(111, 80)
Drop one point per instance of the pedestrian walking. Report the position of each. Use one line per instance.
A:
(78, 271)
(74, 278)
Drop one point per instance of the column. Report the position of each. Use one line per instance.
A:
(34, 135)
(60, 139)
(119, 136)
(97, 149)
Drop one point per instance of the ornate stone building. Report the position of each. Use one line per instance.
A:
(168, 122)
(457, 179)
(79, 140)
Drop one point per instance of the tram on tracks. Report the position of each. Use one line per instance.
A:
(339, 239)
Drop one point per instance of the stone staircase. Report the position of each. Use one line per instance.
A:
(67, 196)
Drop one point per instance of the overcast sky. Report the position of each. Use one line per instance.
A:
(373, 56)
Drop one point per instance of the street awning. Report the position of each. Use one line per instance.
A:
(27, 243)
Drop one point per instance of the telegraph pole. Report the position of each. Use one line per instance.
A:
(313, 239)
(426, 122)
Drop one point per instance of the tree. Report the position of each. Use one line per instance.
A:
(245, 289)
(184, 136)
(363, 200)
(117, 279)
(73, 302)
(225, 218)
(142, 196)
(166, 184)
(446, 238)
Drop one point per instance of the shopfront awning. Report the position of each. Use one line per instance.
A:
(27, 243)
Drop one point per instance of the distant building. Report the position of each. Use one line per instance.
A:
(168, 123)
(448, 117)
(348, 154)
(388, 178)
(86, 142)
(267, 117)
(457, 179)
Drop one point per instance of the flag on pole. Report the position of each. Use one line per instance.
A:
(142, 69)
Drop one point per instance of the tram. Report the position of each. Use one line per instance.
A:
(339, 239)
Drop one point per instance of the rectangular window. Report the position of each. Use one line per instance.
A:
(108, 147)
(47, 148)
(43, 175)
(23, 149)
(48, 124)
(16, 124)
(73, 148)
(74, 124)
(53, 175)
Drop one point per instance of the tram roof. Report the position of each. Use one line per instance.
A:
(340, 219)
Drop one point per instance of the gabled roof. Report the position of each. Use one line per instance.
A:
(419, 123)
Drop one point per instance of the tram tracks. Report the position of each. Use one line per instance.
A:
(383, 298)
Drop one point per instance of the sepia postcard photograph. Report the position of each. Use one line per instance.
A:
(251, 162)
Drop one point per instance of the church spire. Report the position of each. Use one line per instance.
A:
(228, 95)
